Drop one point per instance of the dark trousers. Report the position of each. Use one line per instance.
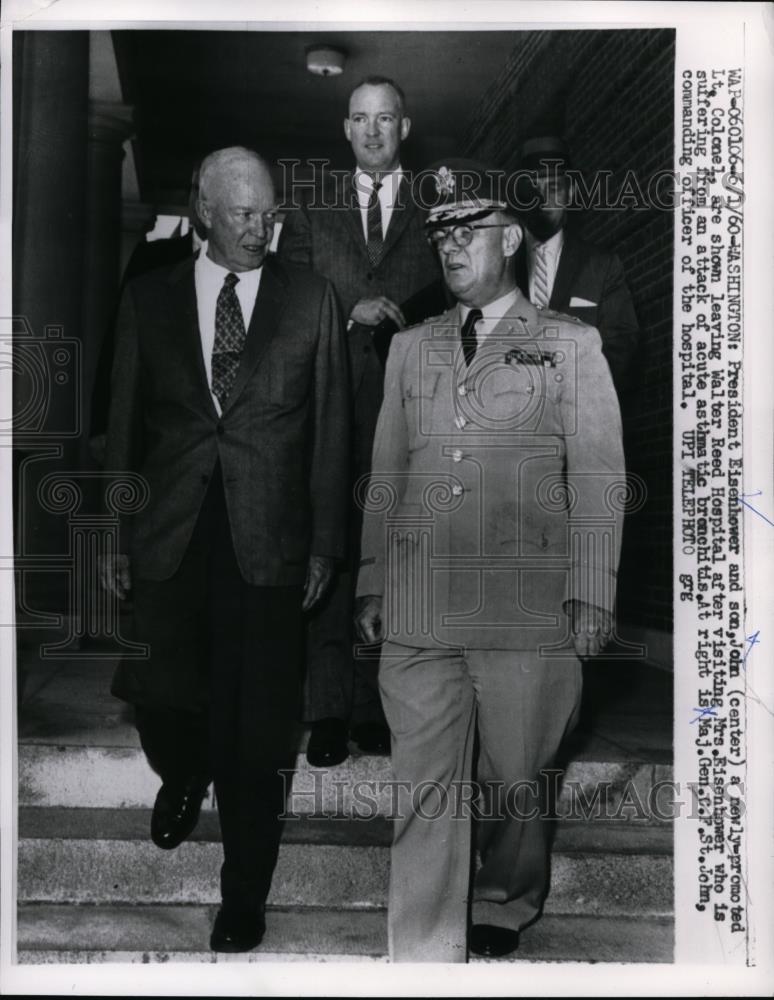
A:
(222, 694)
(338, 685)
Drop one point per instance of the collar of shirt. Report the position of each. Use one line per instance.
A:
(491, 313)
(208, 279)
(388, 194)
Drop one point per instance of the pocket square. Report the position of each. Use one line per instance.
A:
(575, 301)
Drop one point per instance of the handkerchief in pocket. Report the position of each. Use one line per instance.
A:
(580, 303)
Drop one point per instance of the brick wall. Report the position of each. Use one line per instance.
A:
(614, 91)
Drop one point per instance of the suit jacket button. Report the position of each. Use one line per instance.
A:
(367, 349)
(205, 480)
(369, 276)
(220, 429)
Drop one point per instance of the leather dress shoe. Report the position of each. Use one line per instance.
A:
(237, 930)
(176, 812)
(491, 941)
(327, 743)
(372, 737)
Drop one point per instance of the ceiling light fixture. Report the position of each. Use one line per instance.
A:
(323, 60)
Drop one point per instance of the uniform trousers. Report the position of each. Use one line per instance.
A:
(520, 706)
(220, 695)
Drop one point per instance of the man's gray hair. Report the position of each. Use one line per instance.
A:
(220, 161)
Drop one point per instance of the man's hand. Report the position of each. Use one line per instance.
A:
(591, 628)
(115, 575)
(318, 578)
(369, 312)
(368, 618)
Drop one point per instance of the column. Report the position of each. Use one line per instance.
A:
(51, 76)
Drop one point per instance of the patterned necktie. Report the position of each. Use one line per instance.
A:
(540, 294)
(375, 243)
(469, 341)
(229, 339)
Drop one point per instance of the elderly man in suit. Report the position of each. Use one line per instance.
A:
(489, 552)
(558, 270)
(366, 237)
(230, 397)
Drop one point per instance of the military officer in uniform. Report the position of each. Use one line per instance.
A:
(489, 552)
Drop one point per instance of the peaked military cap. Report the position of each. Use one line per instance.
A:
(461, 190)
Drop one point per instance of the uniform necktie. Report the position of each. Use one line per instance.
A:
(375, 242)
(469, 341)
(540, 294)
(230, 339)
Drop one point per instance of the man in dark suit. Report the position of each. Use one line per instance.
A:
(230, 397)
(366, 237)
(557, 270)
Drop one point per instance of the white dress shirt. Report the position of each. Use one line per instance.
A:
(491, 314)
(208, 279)
(552, 251)
(388, 194)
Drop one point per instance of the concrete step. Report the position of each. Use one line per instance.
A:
(83, 777)
(88, 856)
(78, 746)
(116, 933)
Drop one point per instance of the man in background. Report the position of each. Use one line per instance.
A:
(557, 270)
(366, 237)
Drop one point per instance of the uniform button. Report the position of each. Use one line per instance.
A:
(456, 455)
(220, 429)
(558, 378)
(460, 422)
(462, 390)
(456, 491)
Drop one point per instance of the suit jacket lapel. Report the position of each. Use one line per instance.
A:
(570, 262)
(269, 306)
(186, 321)
(402, 211)
(522, 278)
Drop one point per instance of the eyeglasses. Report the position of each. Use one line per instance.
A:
(462, 235)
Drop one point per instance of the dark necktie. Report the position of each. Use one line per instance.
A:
(229, 339)
(469, 342)
(375, 242)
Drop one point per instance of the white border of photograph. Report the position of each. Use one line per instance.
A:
(704, 32)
